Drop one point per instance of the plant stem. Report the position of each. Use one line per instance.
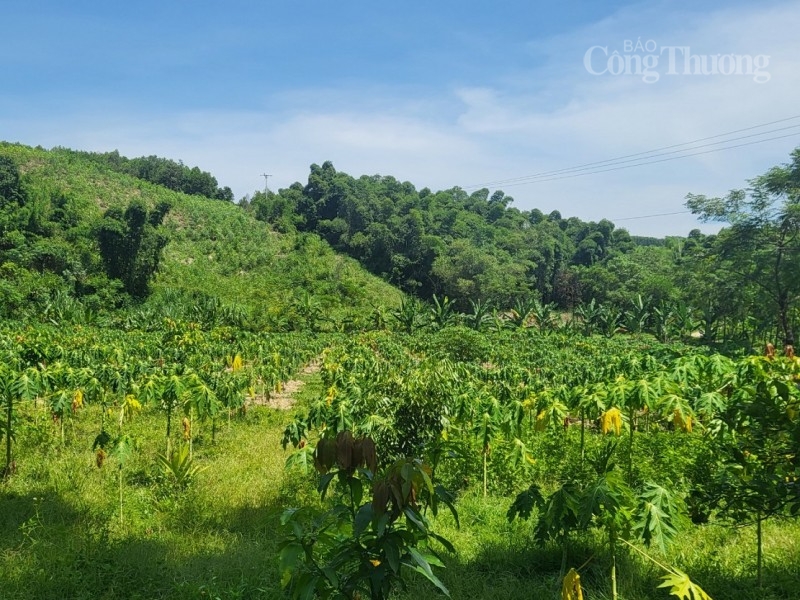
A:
(760, 551)
(612, 538)
(648, 557)
(191, 431)
(485, 454)
(120, 494)
(630, 450)
(169, 426)
(583, 436)
(9, 411)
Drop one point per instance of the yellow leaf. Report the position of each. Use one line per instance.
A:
(611, 420)
(682, 587)
(236, 365)
(130, 407)
(571, 586)
(681, 421)
(541, 421)
(77, 400)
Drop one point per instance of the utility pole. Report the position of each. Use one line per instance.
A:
(266, 181)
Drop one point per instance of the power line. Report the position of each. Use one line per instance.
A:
(680, 212)
(647, 162)
(643, 155)
(576, 170)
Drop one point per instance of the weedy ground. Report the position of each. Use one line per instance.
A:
(62, 535)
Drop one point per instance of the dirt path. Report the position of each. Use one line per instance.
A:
(284, 400)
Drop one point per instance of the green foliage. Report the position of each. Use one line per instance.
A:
(756, 251)
(467, 247)
(356, 549)
(682, 587)
(131, 245)
(221, 266)
(465, 408)
(179, 467)
(10, 192)
(161, 171)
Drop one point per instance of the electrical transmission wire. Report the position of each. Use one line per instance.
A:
(680, 212)
(651, 162)
(575, 170)
(646, 158)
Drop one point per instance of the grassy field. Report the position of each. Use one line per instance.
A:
(62, 534)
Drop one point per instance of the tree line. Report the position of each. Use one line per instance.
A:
(477, 247)
(162, 171)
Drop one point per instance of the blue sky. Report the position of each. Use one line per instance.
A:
(439, 94)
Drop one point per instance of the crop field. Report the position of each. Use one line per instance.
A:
(516, 463)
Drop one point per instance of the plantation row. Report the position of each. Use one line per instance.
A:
(623, 435)
(611, 446)
(183, 371)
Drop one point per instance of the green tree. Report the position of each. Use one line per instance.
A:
(761, 246)
(131, 245)
(10, 191)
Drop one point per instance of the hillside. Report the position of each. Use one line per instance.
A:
(219, 262)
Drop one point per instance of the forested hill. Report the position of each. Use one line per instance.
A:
(81, 241)
(452, 243)
(162, 171)
(479, 248)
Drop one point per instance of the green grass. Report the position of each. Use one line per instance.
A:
(61, 535)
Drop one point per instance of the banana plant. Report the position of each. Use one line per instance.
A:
(442, 312)
(637, 316)
(480, 315)
(589, 315)
(609, 320)
(409, 315)
(544, 314)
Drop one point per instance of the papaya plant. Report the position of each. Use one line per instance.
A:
(361, 548)
(653, 515)
(15, 385)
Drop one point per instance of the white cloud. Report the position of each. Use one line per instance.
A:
(554, 116)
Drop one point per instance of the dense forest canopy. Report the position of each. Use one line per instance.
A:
(478, 247)
(465, 246)
(476, 252)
